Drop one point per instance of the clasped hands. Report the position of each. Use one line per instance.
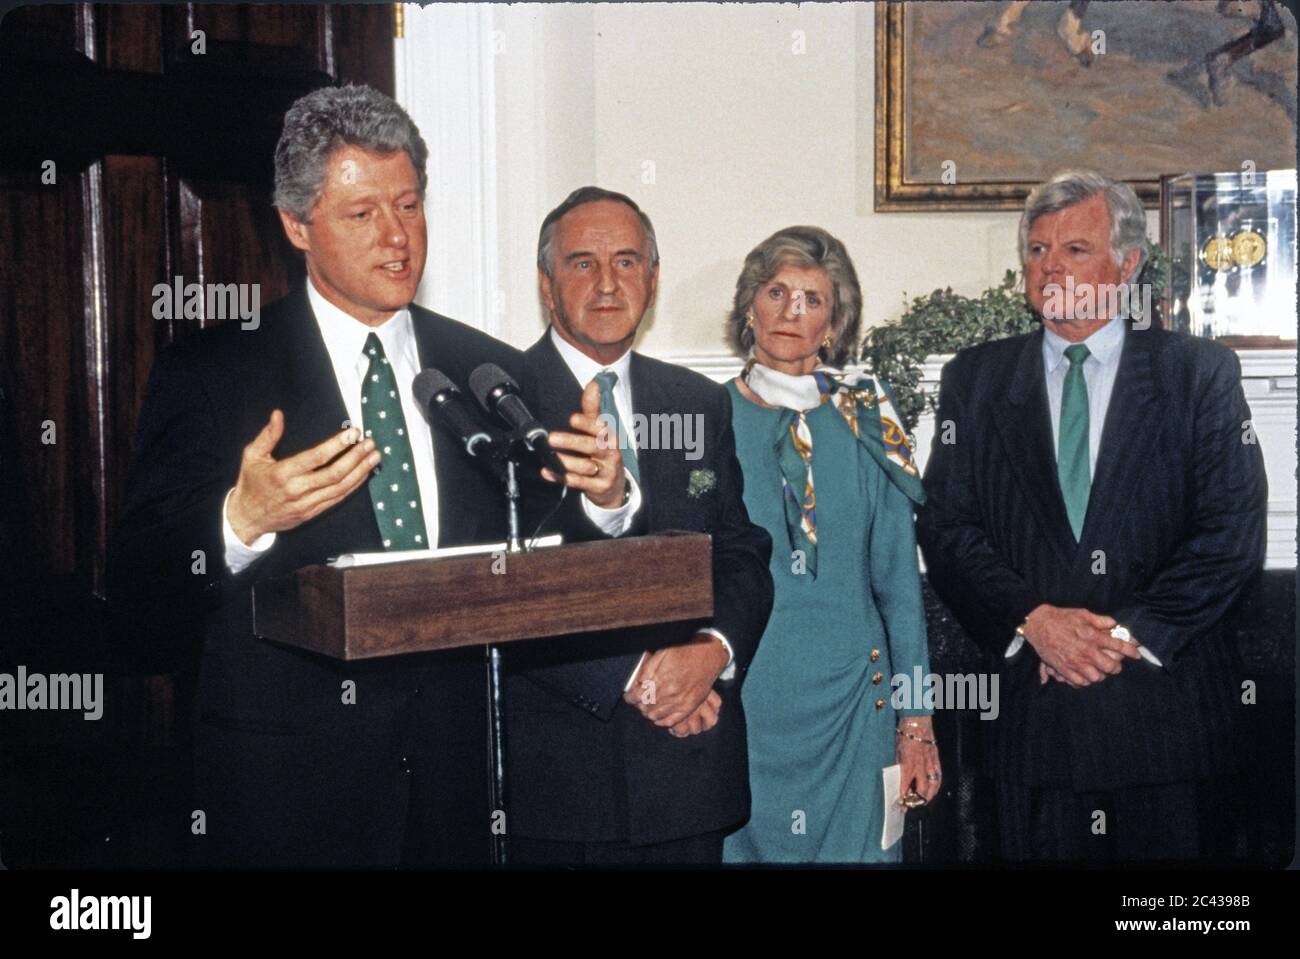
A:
(674, 686)
(1075, 646)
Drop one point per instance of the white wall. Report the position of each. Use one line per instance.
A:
(708, 116)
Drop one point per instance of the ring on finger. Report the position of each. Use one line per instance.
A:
(934, 777)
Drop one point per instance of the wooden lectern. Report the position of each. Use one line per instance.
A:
(487, 599)
(424, 605)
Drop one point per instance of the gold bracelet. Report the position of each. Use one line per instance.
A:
(917, 739)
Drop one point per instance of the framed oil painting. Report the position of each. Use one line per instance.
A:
(976, 102)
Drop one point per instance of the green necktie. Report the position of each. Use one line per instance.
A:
(394, 489)
(608, 408)
(1072, 464)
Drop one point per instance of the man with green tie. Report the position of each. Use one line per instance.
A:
(629, 748)
(1096, 503)
(264, 450)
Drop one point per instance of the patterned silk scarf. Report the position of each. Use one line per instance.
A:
(868, 413)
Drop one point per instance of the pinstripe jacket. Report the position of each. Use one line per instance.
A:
(1174, 531)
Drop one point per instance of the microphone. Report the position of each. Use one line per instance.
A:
(445, 402)
(498, 393)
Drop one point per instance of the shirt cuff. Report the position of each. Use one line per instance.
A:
(616, 521)
(1150, 657)
(727, 673)
(730, 671)
(1014, 646)
(239, 556)
(628, 685)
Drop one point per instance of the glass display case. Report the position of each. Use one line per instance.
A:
(1231, 242)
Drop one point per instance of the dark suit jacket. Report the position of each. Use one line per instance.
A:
(286, 773)
(584, 765)
(1176, 515)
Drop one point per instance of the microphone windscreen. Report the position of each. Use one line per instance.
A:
(428, 383)
(487, 378)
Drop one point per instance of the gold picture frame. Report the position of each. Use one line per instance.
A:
(1115, 80)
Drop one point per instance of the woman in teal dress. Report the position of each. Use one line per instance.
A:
(829, 475)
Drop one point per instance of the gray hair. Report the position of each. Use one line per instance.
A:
(580, 197)
(326, 119)
(1128, 221)
(805, 246)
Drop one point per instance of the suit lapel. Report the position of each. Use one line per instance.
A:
(1131, 420)
(314, 407)
(314, 411)
(648, 399)
(559, 392)
(554, 394)
(1024, 422)
(451, 465)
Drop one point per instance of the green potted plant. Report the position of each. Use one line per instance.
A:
(943, 322)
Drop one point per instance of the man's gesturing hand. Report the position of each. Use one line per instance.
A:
(273, 495)
(683, 676)
(1075, 645)
(593, 463)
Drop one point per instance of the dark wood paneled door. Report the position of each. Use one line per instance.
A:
(137, 148)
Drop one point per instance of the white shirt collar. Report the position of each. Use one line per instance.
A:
(345, 335)
(584, 368)
(1103, 345)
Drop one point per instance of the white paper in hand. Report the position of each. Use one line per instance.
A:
(894, 811)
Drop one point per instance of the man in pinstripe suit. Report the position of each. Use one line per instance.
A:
(1096, 503)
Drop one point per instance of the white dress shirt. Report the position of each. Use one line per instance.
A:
(345, 339)
(584, 370)
(1100, 366)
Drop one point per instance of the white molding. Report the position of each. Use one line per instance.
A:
(1271, 363)
(719, 367)
(445, 77)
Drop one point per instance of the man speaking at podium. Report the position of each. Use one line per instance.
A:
(630, 748)
(260, 451)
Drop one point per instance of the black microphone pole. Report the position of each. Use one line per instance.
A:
(445, 402)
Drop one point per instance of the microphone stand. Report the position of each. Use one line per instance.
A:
(497, 726)
(512, 506)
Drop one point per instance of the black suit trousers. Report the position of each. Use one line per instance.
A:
(1170, 822)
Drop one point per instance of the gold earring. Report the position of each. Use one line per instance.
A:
(826, 342)
(749, 321)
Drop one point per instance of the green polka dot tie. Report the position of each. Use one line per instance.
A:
(394, 490)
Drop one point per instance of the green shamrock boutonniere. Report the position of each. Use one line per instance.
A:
(702, 481)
